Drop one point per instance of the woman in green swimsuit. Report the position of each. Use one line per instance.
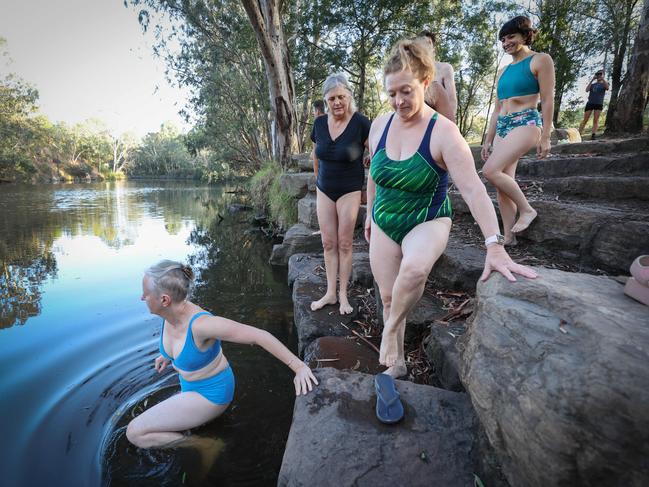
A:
(414, 150)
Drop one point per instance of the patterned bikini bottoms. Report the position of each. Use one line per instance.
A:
(507, 123)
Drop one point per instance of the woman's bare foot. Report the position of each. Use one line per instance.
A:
(345, 307)
(209, 450)
(524, 221)
(511, 241)
(323, 301)
(389, 352)
(397, 370)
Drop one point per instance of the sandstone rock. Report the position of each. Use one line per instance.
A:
(553, 167)
(361, 271)
(459, 267)
(298, 239)
(335, 438)
(442, 352)
(557, 372)
(296, 184)
(303, 162)
(342, 353)
(307, 211)
(610, 188)
(314, 324)
(309, 267)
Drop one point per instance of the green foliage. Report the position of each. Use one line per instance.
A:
(261, 184)
(269, 197)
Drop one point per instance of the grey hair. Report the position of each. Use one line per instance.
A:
(172, 278)
(335, 80)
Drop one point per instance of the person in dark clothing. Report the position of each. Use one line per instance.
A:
(340, 139)
(596, 90)
(318, 108)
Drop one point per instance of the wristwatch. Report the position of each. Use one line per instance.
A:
(495, 239)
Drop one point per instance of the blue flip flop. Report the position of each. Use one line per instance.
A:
(389, 409)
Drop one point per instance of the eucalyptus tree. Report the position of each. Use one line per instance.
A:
(567, 33)
(635, 90)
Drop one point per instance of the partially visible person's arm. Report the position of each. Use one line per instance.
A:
(219, 328)
(491, 131)
(449, 85)
(545, 75)
(458, 160)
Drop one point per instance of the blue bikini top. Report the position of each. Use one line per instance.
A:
(191, 358)
(518, 80)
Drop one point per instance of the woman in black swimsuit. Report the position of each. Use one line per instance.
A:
(340, 138)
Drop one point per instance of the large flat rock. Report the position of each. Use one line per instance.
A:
(556, 368)
(335, 438)
(459, 267)
(298, 239)
(562, 166)
(604, 237)
(311, 267)
(609, 188)
(323, 322)
(297, 184)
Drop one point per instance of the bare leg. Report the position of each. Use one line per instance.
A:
(160, 425)
(516, 143)
(506, 206)
(584, 121)
(385, 260)
(421, 248)
(596, 114)
(347, 210)
(328, 221)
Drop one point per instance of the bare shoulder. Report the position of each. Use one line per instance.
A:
(541, 60)
(444, 68)
(446, 138)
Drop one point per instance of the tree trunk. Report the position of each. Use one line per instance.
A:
(634, 92)
(265, 18)
(618, 61)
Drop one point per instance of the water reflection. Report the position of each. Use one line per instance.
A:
(71, 260)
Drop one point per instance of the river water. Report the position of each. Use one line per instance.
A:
(77, 345)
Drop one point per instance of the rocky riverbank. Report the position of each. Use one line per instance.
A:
(539, 382)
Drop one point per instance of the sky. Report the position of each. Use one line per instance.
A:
(89, 59)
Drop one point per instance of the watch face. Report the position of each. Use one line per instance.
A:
(500, 239)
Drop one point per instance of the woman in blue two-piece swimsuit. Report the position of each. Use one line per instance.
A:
(190, 340)
(516, 125)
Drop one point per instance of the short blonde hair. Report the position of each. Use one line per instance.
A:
(412, 54)
(172, 278)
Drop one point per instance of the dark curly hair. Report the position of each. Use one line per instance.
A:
(519, 25)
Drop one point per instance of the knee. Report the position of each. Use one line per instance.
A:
(329, 244)
(413, 274)
(135, 434)
(491, 173)
(345, 245)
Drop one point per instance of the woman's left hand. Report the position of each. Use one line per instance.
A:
(543, 147)
(499, 260)
(303, 379)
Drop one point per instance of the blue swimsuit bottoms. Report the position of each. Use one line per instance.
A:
(218, 389)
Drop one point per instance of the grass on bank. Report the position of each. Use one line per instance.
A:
(268, 196)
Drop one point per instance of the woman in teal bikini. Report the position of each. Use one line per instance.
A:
(414, 150)
(190, 340)
(516, 125)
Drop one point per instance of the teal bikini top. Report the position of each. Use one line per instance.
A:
(518, 80)
(191, 358)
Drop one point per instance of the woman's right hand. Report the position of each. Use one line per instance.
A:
(161, 363)
(484, 152)
(303, 379)
(368, 227)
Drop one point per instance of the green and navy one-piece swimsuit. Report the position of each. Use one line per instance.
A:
(408, 192)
